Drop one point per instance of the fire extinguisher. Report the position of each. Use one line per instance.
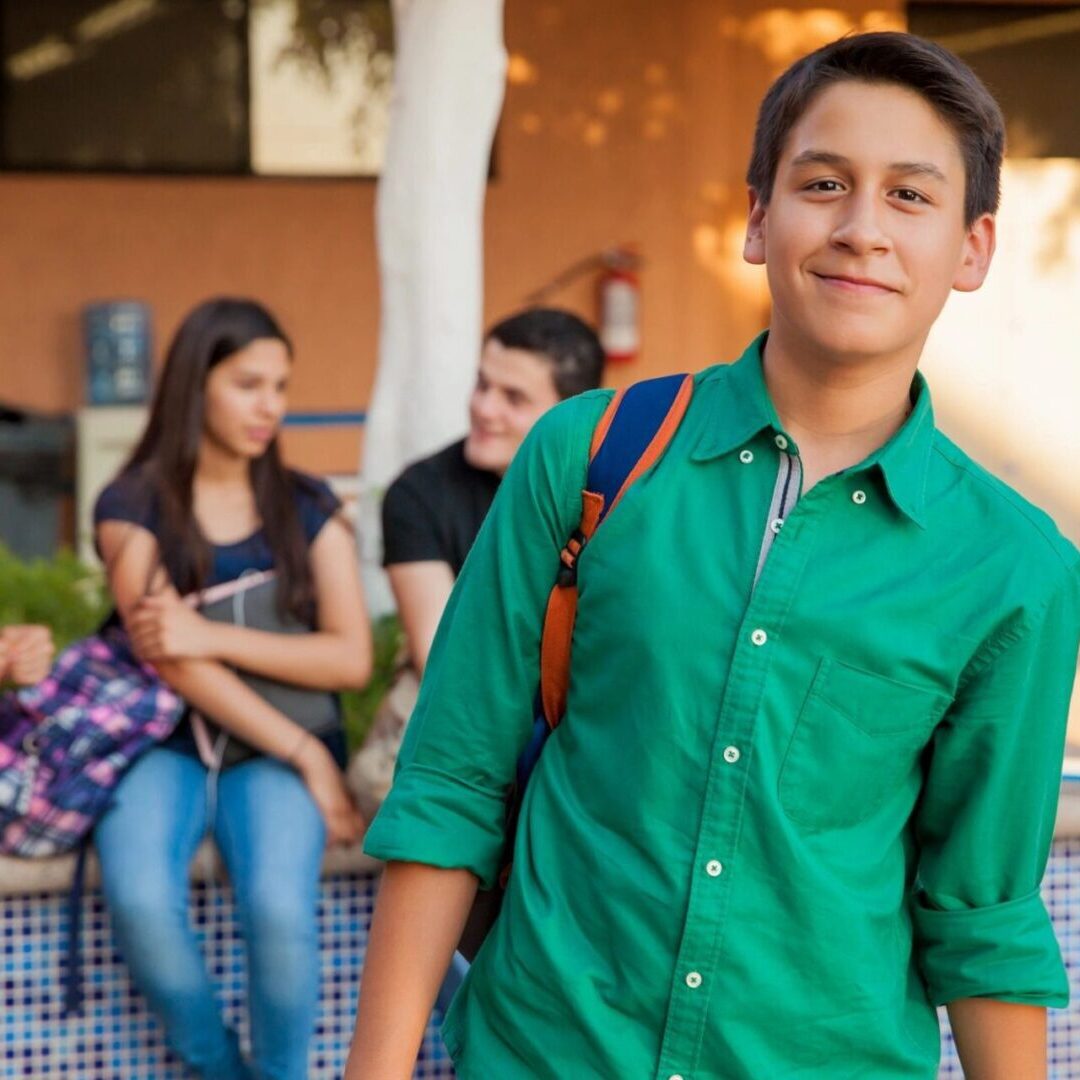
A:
(618, 291)
(618, 295)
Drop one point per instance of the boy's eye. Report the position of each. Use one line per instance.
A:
(826, 186)
(910, 195)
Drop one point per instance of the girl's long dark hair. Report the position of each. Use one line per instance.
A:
(164, 461)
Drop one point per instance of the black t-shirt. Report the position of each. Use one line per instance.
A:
(434, 509)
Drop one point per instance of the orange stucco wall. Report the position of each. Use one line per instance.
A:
(625, 120)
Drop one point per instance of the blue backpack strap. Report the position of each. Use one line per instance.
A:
(630, 437)
(637, 417)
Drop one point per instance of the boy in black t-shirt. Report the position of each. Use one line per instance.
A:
(434, 509)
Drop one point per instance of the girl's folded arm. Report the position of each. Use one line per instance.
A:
(133, 569)
(335, 656)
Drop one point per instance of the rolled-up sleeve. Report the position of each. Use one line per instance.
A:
(985, 822)
(447, 805)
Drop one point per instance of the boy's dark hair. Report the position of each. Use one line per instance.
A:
(568, 343)
(937, 75)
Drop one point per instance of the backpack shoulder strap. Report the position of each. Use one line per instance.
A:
(631, 436)
(633, 433)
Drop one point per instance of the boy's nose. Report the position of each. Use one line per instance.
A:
(485, 404)
(860, 229)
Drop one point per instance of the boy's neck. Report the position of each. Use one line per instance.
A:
(838, 411)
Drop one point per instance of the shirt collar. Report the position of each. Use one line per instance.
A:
(737, 407)
(737, 404)
(905, 459)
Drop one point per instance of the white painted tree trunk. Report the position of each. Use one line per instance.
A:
(449, 74)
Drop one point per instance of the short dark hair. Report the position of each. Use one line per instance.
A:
(568, 343)
(937, 75)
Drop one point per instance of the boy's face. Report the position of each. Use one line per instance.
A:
(863, 236)
(514, 388)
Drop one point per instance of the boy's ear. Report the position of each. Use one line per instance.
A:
(978, 250)
(754, 245)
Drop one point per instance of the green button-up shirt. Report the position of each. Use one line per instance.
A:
(805, 787)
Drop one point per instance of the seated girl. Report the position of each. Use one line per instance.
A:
(205, 499)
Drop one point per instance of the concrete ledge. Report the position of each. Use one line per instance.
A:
(21, 876)
(18, 877)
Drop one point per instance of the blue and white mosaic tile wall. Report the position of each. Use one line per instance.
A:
(117, 1039)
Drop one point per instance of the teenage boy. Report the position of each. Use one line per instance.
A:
(804, 789)
(432, 512)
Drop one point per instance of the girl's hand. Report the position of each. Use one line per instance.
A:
(26, 653)
(163, 627)
(326, 782)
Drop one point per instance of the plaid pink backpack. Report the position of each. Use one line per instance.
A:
(65, 743)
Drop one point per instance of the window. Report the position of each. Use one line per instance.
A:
(1026, 54)
(246, 87)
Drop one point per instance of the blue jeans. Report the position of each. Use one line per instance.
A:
(271, 836)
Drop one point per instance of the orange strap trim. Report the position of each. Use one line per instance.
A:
(601, 429)
(661, 439)
(592, 506)
(559, 621)
(555, 651)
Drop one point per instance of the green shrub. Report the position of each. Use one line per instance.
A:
(61, 592)
(359, 705)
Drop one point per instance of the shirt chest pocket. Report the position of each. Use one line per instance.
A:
(856, 742)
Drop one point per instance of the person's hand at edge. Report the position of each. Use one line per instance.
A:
(26, 653)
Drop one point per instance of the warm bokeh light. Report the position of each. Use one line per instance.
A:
(520, 70)
(782, 34)
(655, 74)
(610, 101)
(595, 133)
(531, 123)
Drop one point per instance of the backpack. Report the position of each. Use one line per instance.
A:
(64, 746)
(66, 742)
(631, 436)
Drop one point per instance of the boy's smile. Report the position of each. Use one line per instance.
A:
(863, 235)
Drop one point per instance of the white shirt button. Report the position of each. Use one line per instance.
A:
(776, 524)
(731, 754)
(759, 637)
(858, 497)
(693, 980)
(714, 868)
(782, 442)
(746, 456)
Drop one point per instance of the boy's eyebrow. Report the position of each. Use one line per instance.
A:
(905, 168)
